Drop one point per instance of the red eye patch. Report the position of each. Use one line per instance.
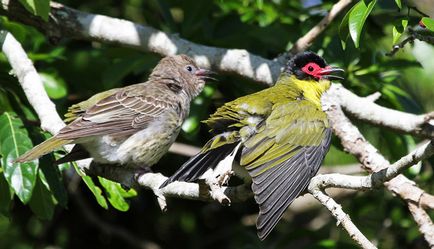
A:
(313, 69)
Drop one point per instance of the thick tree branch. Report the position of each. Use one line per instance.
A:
(365, 109)
(31, 84)
(66, 22)
(176, 189)
(375, 179)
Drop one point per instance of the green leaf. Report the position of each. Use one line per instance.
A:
(96, 191)
(14, 141)
(5, 104)
(344, 32)
(398, 30)
(52, 179)
(6, 195)
(398, 2)
(357, 19)
(16, 29)
(3, 34)
(115, 194)
(114, 73)
(429, 23)
(42, 203)
(37, 7)
(190, 124)
(55, 86)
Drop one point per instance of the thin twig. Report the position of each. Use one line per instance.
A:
(184, 149)
(420, 34)
(342, 218)
(354, 143)
(306, 41)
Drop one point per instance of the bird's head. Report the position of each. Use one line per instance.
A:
(310, 66)
(180, 73)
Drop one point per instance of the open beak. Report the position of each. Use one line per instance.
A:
(205, 74)
(330, 73)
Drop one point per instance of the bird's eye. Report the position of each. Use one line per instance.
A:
(189, 68)
(312, 69)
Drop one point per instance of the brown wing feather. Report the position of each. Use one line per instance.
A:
(123, 113)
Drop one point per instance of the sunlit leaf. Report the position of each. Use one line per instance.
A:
(357, 19)
(429, 23)
(329, 243)
(37, 7)
(398, 30)
(55, 86)
(190, 124)
(14, 141)
(115, 194)
(17, 30)
(344, 32)
(398, 2)
(96, 191)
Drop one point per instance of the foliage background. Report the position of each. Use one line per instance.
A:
(75, 70)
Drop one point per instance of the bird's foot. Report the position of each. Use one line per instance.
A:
(161, 199)
(217, 192)
(141, 174)
(223, 179)
(142, 171)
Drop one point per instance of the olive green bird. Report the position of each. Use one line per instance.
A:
(132, 126)
(284, 137)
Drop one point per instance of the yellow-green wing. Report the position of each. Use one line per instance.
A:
(230, 123)
(242, 112)
(283, 156)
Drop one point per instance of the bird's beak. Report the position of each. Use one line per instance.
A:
(205, 74)
(329, 73)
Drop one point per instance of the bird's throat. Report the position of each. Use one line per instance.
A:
(311, 90)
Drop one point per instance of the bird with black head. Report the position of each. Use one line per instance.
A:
(281, 133)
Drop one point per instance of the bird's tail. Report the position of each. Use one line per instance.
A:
(42, 149)
(196, 166)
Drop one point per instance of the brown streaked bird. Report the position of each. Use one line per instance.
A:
(132, 126)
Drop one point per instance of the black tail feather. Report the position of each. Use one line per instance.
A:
(196, 166)
(77, 153)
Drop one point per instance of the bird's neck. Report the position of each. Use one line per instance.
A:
(177, 86)
(309, 89)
